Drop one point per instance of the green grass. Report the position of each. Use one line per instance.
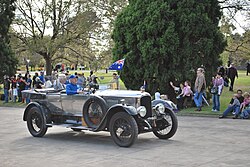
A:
(12, 104)
(243, 83)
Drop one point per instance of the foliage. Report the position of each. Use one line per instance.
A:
(50, 27)
(61, 30)
(8, 60)
(237, 50)
(235, 26)
(166, 41)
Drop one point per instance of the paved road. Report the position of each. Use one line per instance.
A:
(199, 142)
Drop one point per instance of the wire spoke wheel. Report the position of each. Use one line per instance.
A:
(123, 129)
(166, 127)
(94, 111)
(36, 122)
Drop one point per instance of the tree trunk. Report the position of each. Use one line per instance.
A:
(48, 65)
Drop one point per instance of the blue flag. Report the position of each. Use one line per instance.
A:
(117, 65)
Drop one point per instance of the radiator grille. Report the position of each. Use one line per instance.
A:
(146, 102)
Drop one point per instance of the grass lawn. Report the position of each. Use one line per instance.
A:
(12, 104)
(243, 83)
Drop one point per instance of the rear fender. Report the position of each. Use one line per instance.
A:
(45, 112)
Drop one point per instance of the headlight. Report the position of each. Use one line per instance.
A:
(142, 111)
(160, 107)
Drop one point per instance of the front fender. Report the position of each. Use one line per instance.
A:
(165, 103)
(43, 110)
(129, 109)
(112, 110)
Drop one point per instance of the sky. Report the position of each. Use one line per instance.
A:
(241, 23)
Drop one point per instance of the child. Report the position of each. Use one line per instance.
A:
(236, 103)
(234, 106)
(14, 93)
(245, 103)
(186, 94)
(245, 113)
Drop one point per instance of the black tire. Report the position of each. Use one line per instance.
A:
(76, 130)
(167, 127)
(124, 122)
(36, 122)
(94, 111)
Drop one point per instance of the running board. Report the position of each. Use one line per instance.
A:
(72, 126)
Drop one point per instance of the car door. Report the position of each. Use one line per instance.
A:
(54, 100)
(78, 101)
(66, 102)
(73, 103)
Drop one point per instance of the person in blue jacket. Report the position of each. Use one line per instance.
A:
(71, 87)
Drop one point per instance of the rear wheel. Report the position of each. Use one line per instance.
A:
(123, 129)
(166, 127)
(36, 122)
(93, 111)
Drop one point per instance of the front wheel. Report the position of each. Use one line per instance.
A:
(166, 127)
(36, 122)
(123, 129)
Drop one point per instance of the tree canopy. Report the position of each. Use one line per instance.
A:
(8, 60)
(64, 29)
(165, 40)
(48, 28)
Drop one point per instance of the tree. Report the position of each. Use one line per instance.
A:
(58, 28)
(166, 41)
(8, 60)
(46, 27)
(236, 31)
(237, 50)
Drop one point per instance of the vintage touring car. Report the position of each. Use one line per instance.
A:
(125, 114)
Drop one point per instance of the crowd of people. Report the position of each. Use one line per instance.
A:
(14, 85)
(186, 97)
(239, 105)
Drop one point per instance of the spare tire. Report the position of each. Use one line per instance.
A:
(94, 111)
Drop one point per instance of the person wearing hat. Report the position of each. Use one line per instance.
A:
(42, 78)
(71, 87)
(200, 86)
